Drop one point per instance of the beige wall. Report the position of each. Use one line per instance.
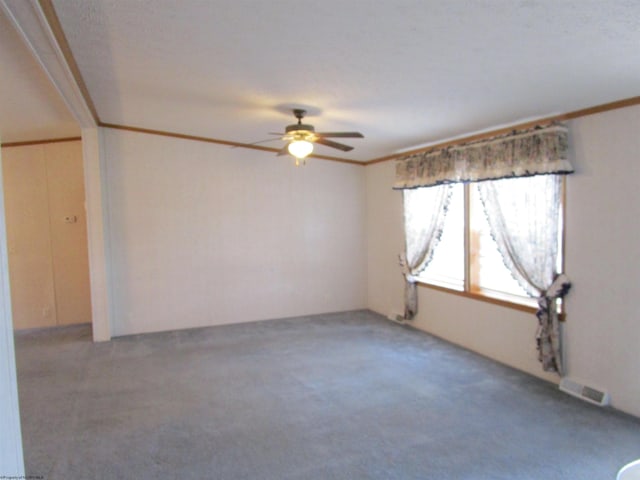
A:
(204, 234)
(47, 254)
(602, 258)
(603, 255)
(385, 240)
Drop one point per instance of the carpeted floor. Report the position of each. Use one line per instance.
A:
(340, 396)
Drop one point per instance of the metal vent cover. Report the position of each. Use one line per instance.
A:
(584, 392)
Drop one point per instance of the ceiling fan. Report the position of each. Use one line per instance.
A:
(300, 138)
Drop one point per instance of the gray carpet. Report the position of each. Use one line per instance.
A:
(340, 396)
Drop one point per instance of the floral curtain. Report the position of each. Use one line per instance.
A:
(524, 218)
(541, 150)
(421, 236)
(526, 240)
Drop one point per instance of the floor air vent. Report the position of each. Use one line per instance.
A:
(584, 392)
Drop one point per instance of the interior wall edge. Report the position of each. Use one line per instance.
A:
(11, 454)
(98, 240)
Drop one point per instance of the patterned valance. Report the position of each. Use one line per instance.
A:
(523, 153)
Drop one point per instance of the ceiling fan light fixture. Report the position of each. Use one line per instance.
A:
(301, 137)
(300, 148)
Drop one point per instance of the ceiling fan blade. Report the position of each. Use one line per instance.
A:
(279, 134)
(283, 151)
(263, 141)
(340, 134)
(329, 143)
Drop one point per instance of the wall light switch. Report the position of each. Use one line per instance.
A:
(71, 219)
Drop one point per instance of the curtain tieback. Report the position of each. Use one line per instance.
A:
(558, 289)
(548, 334)
(404, 267)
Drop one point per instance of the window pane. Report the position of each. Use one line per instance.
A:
(489, 277)
(447, 266)
(488, 270)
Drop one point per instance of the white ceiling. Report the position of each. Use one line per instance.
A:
(30, 107)
(403, 72)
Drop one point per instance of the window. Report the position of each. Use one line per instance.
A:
(446, 268)
(467, 258)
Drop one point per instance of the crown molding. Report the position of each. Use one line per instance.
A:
(218, 141)
(38, 25)
(43, 141)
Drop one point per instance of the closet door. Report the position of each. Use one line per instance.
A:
(28, 237)
(68, 226)
(47, 234)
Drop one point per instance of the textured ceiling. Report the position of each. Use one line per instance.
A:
(30, 107)
(403, 72)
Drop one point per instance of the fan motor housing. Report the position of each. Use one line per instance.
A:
(299, 127)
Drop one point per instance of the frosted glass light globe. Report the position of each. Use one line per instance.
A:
(300, 148)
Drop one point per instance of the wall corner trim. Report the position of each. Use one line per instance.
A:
(97, 234)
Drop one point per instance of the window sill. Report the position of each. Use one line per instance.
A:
(481, 297)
